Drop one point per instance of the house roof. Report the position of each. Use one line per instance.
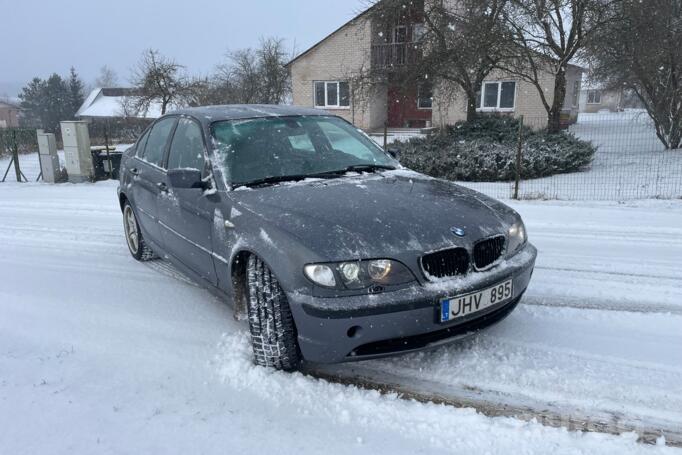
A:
(359, 16)
(314, 46)
(109, 102)
(9, 103)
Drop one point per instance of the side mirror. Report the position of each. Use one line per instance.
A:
(186, 179)
(394, 152)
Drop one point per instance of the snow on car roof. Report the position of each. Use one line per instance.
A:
(244, 111)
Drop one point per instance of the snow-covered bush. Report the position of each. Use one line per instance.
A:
(485, 150)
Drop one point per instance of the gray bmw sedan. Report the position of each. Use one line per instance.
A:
(321, 239)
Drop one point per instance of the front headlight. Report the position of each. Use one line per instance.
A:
(517, 237)
(359, 274)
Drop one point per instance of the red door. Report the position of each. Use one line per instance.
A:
(403, 111)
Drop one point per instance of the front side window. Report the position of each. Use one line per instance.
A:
(498, 96)
(594, 97)
(576, 93)
(264, 148)
(157, 141)
(187, 149)
(139, 151)
(332, 94)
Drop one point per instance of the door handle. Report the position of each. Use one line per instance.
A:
(163, 187)
(134, 171)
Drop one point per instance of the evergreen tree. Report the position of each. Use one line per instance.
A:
(46, 103)
(76, 95)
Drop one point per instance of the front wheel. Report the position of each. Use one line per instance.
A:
(136, 243)
(273, 333)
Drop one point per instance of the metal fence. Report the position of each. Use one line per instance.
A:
(13, 143)
(630, 163)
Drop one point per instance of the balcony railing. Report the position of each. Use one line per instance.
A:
(393, 55)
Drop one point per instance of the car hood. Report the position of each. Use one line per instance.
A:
(375, 215)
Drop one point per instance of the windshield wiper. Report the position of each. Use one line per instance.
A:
(361, 168)
(282, 178)
(272, 180)
(322, 175)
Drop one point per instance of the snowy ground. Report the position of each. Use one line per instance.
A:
(101, 354)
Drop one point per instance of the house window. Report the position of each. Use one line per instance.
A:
(418, 32)
(498, 96)
(576, 93)
(425, 95)
(594, 97)
(400, 34)
(332, 94)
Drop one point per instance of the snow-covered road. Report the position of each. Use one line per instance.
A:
(100, 354)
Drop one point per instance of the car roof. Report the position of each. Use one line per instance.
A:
(210, 114)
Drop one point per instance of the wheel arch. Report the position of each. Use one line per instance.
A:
(238, 266)
(122, 199)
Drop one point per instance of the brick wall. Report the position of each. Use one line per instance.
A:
(450, 102)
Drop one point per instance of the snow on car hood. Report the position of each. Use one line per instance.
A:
(375, 215)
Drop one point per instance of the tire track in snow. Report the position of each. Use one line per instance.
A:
(485, 403)
(556, 367)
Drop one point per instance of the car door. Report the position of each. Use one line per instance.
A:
(186, 215)
(149, 177)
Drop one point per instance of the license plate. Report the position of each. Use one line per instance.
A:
(459, 307)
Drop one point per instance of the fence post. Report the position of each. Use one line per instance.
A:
(519, 149)
(385, 135)
(15, 156)
(106, 144)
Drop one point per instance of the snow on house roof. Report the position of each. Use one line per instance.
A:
(11, 102)
(110, 102)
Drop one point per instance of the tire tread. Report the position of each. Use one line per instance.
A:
(273, 333)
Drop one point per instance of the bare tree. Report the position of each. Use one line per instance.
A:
(160, 80)
(275, 82)
(641, 50)
(253, 76)
(546, 36)
(107, 78)
(243, 75)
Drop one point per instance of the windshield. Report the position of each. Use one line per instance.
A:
(277, 148)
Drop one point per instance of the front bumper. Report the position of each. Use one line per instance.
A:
(341, 329)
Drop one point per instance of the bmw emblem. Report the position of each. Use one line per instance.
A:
(459, 232)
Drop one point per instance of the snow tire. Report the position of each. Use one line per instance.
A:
(273, 333)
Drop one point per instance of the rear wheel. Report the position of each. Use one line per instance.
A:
(273, 333)
(136, 242)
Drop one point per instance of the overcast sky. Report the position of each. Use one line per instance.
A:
(45, 36)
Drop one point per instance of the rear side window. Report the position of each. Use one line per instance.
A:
(157, 141)
(187, 150)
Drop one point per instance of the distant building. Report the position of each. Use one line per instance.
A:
(9, 114)
(597, 97)
(115, 103)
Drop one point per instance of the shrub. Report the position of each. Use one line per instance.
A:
(485, 151)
